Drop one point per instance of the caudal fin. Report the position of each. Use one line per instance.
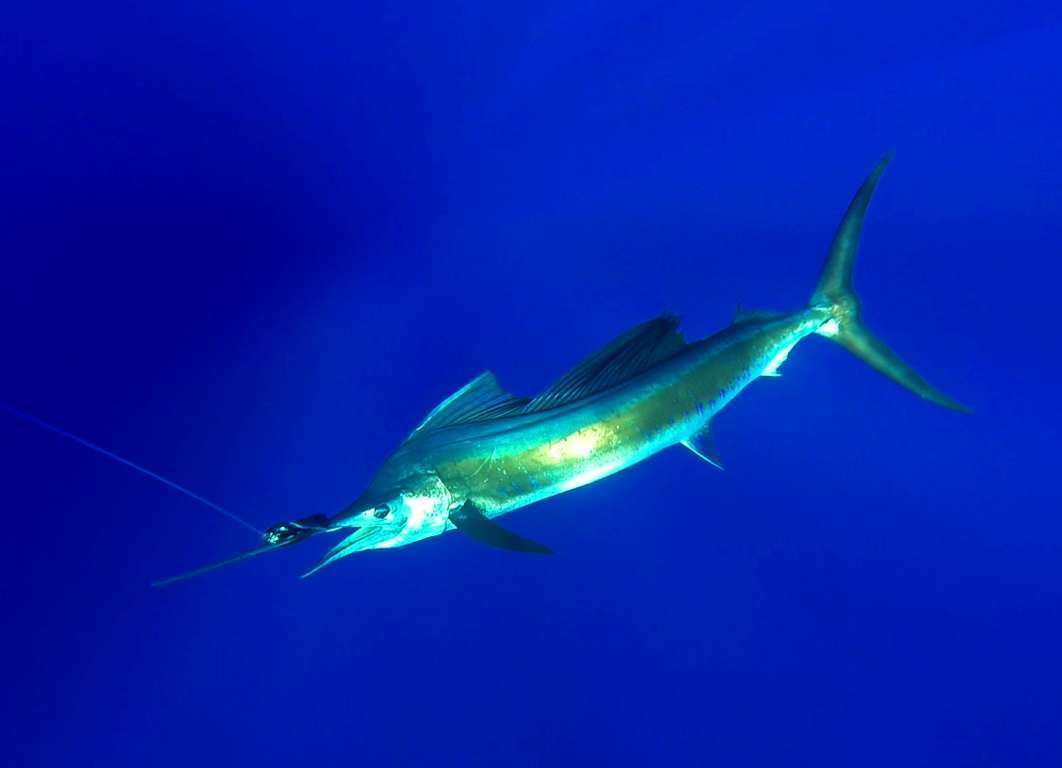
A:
(834, 292)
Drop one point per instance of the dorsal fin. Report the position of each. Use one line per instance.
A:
(623, 358)
(479, 400)
(742, 315)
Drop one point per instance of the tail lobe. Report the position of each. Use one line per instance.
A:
(834, 293)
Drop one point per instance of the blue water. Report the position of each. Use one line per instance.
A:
(249, 245)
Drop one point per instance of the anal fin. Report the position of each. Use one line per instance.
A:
(703, 445)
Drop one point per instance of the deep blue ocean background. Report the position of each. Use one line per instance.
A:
(250, 245)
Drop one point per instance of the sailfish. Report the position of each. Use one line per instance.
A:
(483, 452)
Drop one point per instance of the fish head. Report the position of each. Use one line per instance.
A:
(392, 514)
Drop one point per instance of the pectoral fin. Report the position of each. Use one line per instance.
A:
(703, 445)
(469, 519)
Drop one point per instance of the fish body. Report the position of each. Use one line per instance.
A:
(540, 450)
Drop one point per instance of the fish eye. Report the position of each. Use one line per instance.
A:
(381, 512)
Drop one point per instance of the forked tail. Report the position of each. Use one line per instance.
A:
(834, 292)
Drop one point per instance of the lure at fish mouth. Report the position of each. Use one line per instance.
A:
(483, 452)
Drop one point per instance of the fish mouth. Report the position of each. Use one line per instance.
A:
(359, 540)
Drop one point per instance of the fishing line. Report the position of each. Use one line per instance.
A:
(104, 452)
